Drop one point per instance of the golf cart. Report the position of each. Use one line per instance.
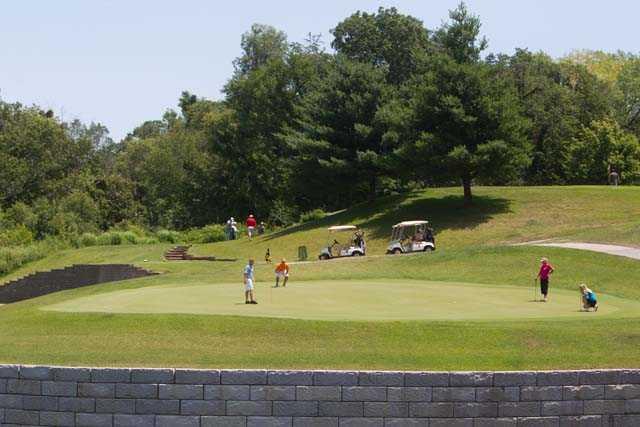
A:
(411, 236)
(353, 238)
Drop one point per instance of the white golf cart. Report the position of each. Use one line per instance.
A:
(411, 236)
(353, 242)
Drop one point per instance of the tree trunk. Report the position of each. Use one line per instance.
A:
(466, 185)
(373, 186)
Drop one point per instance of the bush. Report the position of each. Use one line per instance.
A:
(109, 238)
(147, 241)
(314, 215)
(138, 230)
(168, 236)
(207, 234)
(12, 258)
(19, 235)
(88, 239)
(128, 237)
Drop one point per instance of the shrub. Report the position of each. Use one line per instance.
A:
(19, 235)
(128, 237)
(79, 213)
(314, 215)
(12, 258)
(207, 234)
(125, 226)
(168, 236)
(20, 213)
(147, 241)
(88, 239)
(109, 238)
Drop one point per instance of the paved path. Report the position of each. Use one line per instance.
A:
(624, 251)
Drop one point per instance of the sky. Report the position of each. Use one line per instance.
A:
(121, 62)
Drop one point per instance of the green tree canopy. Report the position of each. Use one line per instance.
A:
(386, 39)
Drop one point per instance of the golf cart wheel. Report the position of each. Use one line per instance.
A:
(356, 254)
(397, 251)
(324, 257)
(429, 248)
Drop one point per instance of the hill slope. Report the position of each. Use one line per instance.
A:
(501, 215)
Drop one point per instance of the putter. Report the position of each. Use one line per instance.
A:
(535, 291)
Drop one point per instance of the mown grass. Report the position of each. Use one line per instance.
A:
(471, 249)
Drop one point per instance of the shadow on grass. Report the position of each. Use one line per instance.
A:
(377, 217)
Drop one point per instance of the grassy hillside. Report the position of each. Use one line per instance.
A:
(501, 215)
(472, 249)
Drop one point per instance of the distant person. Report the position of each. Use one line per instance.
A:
(614, 178)
(261, 228)
(267, 256)
(251, 226)
(232, 229)
(546, 270)
(362, 244)
(248, 276)
(358, 239)
(282, 272)
(589, 299)
(428, 235)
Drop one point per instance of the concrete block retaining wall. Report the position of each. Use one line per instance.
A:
(60, 396)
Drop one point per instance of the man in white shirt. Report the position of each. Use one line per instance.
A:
(248, 283)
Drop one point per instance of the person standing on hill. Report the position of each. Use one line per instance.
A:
(248, 276)
(545, 271)
(251, 226)
(614, 178)
(231, 229)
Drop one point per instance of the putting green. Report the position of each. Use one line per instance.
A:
(350, 300)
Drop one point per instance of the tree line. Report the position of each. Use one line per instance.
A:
(392, 106)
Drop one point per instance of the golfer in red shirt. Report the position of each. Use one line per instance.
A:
(545, 271)
(251, 226)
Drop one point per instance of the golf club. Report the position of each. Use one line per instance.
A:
(535, 290)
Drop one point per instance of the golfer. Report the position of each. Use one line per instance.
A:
(589, 299)
(248, 283)
(545, 271)
(282, 272)
(251, 226)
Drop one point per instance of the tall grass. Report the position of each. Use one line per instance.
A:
(14, 257)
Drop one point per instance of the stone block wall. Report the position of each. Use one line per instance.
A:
(62, 396)
(75, 276)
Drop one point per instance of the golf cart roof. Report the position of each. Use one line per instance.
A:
(410, 223)
(342, 227)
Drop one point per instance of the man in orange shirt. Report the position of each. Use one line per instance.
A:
(282, 271)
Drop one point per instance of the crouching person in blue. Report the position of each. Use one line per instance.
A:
(589, 299)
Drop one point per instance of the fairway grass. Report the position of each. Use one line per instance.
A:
(465, 306)
(384, 300)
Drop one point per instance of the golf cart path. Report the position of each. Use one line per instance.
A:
(623, 251)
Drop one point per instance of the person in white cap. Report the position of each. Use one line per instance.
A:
(231, 229)
(248, 283)
(282, 272)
